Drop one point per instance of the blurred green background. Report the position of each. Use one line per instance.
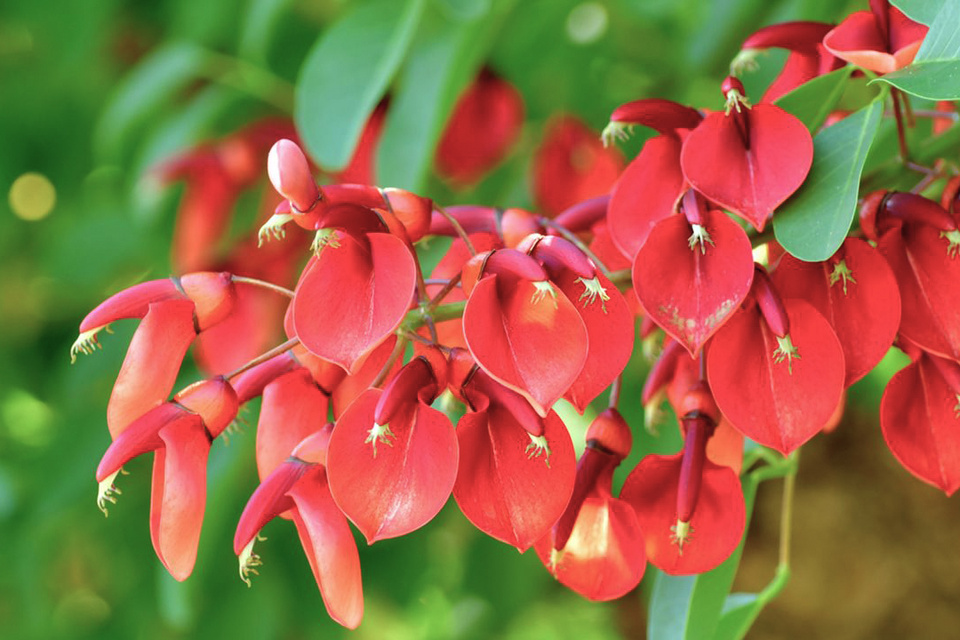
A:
(876, 553)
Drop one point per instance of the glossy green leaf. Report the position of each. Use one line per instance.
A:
(942, 42)
(442, 61)
(813, 223)
(922, 11)
(347, 72)
(933, 80)
(258, 28)
(739, 612)
(813, 101)
(689, 607)
(153, 83)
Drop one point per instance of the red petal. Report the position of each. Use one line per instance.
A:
(179, 494)
(533, 342)
(858, 41)
(929, 282)
(392, 485)
(863, 309)
(351, 298)
(502, 487)
(142, 436)
(152, 362)
(692, 291)
(350, 387)
(331, 551)
(248, 331)
(268, 501)
(778, 404)
(918, 415)
(717, 523)
(610, 332)
(646, 193)
(133, 302)
(293, 408)
(604, 558)
(755, 180)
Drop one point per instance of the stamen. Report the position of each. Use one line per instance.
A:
(108, 492)
(592, 289)
(701, 237)
(249, 560)
(380, 433)
(680, 534)
(953, 238)
(842, 272)
(323, 239)
(543, 288)
(538, 447)
(273, 227)
(616, 131)
(87, 343)
(786, 351)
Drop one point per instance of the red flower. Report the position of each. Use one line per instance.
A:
(180, 433)
(881, 40)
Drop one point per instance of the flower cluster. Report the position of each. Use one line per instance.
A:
(527, 309)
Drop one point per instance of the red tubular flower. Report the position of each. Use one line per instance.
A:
(920, 241)
(881, 40)
(652, 184)
(765, 153)
(299, 485)
(392, 459)
(596, 547)
(856, 292)
(521, 329)
(180, 433)
(174, 311)
(484, 125)
(602, 308)
(776, 369)
(511, 484)
(571, 165)
(293, 408)
(691, 510)
(919, 416)
(693, 272)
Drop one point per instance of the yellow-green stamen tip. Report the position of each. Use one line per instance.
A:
(273, 228)
(700, 237)
(592, 289)
(538, 446)
(615, 131)
(379, 433)
(841, 272)
(786, 351)
(680, 534)
(543, 289)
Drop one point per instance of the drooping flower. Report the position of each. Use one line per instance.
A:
(881, 40)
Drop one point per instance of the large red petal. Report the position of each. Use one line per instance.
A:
(249, 330)
(393, 485)
(717, 523)
(929, 281)
(330, 548)
(152, 362)
(610, 334)
(918, 415)
(778, 404)
(692, 291)
(293, 408)
(754, 179)
(533, 342)
(352, 297)
(505, 486)
(646, 193)
(179, 494)
(863, 308)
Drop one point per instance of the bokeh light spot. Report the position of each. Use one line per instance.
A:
(587, 22)
(32, 196)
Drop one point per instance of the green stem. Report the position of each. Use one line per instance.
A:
(263, 357)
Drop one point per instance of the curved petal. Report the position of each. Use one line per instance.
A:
(532, 341)
(353, 296)
(646, 193)
(179, 494)
(717, 523)
(779, 402)
(391, 479)
(293, 408)
(758, 174)
(328, 543)
(918, 415)
(692, 288)
(152, 362)
(507, 486)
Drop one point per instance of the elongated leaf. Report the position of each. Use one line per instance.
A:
(259, 27)
(813, 101)
(153, 82)
(813, 223)
(689, 607)
(922, 11)
(739, 612)
(933, 80)
(442, 61)
(346, 73)
(942, 42)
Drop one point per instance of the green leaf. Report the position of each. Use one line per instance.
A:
(152, 84)
(813, 223)
(922, 11)
(933, 80)
(942, 42)
(259, 24)
(347, 72)
(689, 607)
(442, 61)
(739, 612)
(813, 101)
